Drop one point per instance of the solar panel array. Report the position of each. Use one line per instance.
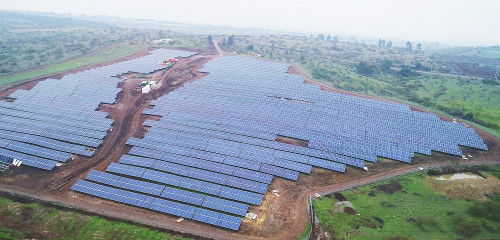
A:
(56, 119)
(214, 151)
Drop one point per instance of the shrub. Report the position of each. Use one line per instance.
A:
(486, 209)
(490, 81)
(427, 224)
(406, 71)
(467, 226)
(364, 69)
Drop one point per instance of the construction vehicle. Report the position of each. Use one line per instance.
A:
(169, 62)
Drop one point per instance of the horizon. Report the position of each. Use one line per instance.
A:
(457, 23)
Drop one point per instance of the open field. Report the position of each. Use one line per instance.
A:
(408, 208)
(101, 56)
(283, 217)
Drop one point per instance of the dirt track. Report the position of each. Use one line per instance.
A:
(281, 217)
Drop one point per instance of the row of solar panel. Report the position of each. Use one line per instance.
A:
(373, 160)
(34, 150)
(258, 153)
(187, 183)
(44, 132)
(157, 204)
(198, 163)
(270, 144)
(56, 128)
(168, 192)
(58, 117)
(46, 142)
(28, 160)
(148, 149)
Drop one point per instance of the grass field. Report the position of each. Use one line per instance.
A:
(412, 211)
(35, 221)
(108, 54)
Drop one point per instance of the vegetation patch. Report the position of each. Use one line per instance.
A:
(35, 221)
(416, 211)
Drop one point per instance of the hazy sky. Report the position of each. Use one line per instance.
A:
(470, 22)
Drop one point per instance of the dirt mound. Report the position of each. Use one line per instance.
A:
(339, 196)
(465, 189)
(390, 188)
(350, 210)
(26, 214)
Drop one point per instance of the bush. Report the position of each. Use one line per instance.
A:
(490, 81)
(406, 71)
(427, 224)
(319, 73)
(467, 226)
(386, 65)
(487, 209)
(364, 69)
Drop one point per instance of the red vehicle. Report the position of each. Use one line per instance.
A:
(168, 62)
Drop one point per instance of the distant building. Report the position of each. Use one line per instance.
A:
(163, 40)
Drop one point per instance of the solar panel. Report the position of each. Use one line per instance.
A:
(216, 146)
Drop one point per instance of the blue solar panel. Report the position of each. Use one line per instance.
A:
(280, 172)
(218, 136)
(125, 169)
(114, 194)
(225, 205)
(241, 195)
(58, 116)
(126, 183)
(173, 208)
(183, 196)
(304, 168)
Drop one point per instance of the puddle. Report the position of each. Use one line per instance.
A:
(457, 176)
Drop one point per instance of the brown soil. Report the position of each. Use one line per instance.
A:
(292, 141)
(339, 197)
(390, 188)
(350, 210)
(283, 217)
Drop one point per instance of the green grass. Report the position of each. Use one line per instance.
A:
(305, 234)
(51, 223)
(108, 54)
(435, 215)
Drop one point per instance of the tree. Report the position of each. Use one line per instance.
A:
(321, 36)
(230, 40)
(389, 44)
(469, 116)
(386, 65)
(406, 71)
(272, 46)
(419, 47)
(364, 69)
(408, 47)
(328, 37)
(250, 48)
(209, 38)
(381, 43)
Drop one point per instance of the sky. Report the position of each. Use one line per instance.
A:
(457, 22)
